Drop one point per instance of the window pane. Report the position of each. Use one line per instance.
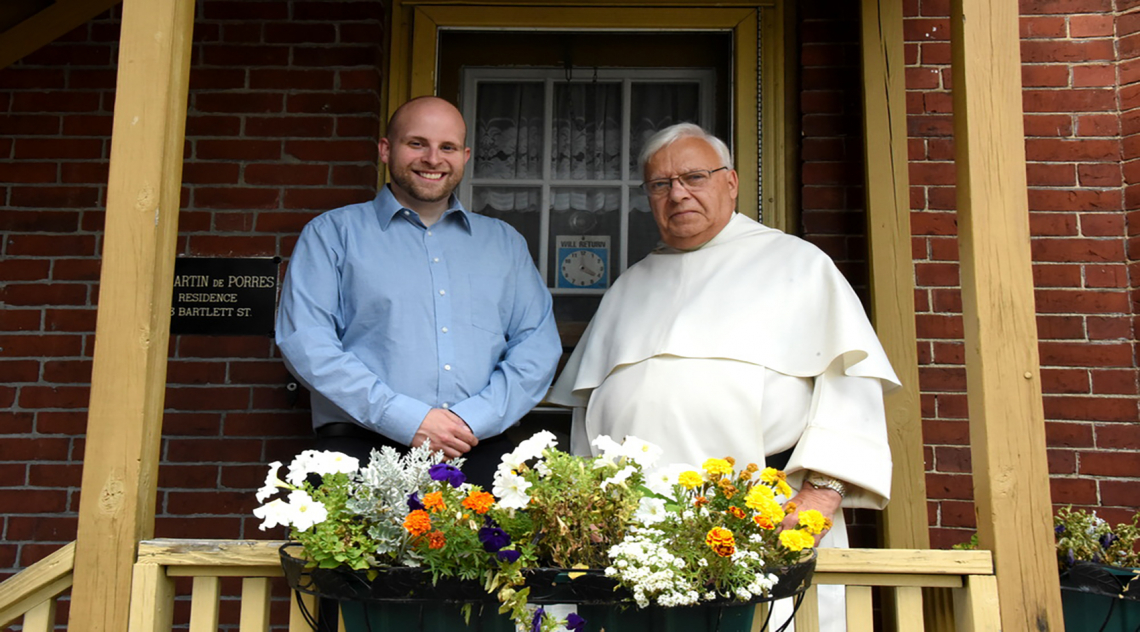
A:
(587, 212)
(655, 106)
(587, 131)
(517, 206)
(508, 130)
(643, 233)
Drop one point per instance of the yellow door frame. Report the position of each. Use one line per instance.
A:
(759, 74)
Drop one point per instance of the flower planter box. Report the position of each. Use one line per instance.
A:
(1098, 598)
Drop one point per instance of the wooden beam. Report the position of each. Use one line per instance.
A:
(39, 582)
(892, 266)
(1007, 425)
(46, 26)
(132, 330)
(13, 12)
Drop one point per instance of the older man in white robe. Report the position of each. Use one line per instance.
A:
(734, 339)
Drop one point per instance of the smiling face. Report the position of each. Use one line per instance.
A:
(689, 219)
(425, 154)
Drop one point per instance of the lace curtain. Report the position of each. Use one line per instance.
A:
(586, 143)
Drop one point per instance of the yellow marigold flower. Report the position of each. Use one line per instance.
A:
(813, 521)
(717, 467)
(436, 540)
(790, 507)
(771, 475)
(796, 539)
(479, 502)
(720, 540)
(418, 522)
(773, 512)
(690, 479)
(763, 522)
(783, 488)
(434, 502)
(758, 496)
(736, 512)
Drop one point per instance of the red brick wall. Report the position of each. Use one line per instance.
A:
(283, 125)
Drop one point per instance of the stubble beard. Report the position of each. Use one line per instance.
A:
(426, 192)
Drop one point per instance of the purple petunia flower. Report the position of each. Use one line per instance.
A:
(536, 623)
(1108, 540)
(575, 623)
(449, 473)
(509, 556)
(493, 538)
(414, 501)
(1059, 529)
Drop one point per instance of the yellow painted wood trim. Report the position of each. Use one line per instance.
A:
(976, 606)
(152, 601)
(1007, 425)
(859, 614)
(204, 604)
(43, 580)
(887, 192)
(746, 125)
(40, 618)
(587, 3)
(888, 579)
(254, 605)
(297, 621)
(578, 17)
(425, 45)
(219, 553)
(932, 562)
(908, 608)
(807, 617)
(46, 26)
(132, 331)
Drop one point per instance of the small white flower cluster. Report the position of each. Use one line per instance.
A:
(300, 511)
(650, 570)
(508, 486)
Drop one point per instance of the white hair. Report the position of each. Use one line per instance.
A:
(673, 133)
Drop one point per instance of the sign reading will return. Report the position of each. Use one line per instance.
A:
(224, 297)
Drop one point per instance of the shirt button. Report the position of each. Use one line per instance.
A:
(444, 330)
(436, 260)
(407, 212)
(445, 406)
(441, 292)
(447, 367)
(429, 233)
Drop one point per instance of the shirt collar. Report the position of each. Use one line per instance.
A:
(387, 208)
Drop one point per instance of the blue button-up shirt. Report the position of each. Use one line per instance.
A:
(383, 318)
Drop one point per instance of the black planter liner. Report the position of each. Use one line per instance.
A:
(1110, 581)
(547, 585)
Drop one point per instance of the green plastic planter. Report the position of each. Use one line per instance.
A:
(1098, 598)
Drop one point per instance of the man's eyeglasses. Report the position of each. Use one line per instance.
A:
(693, 181)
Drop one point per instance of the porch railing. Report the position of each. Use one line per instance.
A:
(902, 574)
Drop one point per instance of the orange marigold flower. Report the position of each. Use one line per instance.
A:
(434, 502)
(436, 540)
(479, 502)
(720, 540)
(418, 522)
(763, 521)
(700, 501)
(736, 512)
(731, 461)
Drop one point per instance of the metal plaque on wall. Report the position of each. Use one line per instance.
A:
(224, 297)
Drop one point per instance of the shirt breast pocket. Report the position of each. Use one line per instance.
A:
(488, 302)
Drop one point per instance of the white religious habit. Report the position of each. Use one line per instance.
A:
(747, 346)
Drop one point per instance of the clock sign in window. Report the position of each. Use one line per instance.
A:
(583, 262)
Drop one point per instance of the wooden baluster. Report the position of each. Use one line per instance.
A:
(859, 615)
(204, 604)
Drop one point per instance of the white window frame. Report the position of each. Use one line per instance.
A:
(630, 183)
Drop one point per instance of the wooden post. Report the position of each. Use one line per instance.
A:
(892, 266)
(133, 327)
(1007, 425)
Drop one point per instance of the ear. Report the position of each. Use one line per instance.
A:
(733, 183)
(385, 150)
(466, 154)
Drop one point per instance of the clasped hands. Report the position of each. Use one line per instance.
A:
(447, 431)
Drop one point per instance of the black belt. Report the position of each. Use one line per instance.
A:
(345, 429)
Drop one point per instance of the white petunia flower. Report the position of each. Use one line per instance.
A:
(662, 479)
(510, 489)
(650, 511)
(620, 477)
(272, 483)
(274, 513)
(306, 511)
(533, 447)
(641, 451)
(611, 451)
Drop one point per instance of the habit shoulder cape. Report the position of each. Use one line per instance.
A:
(798, 312)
